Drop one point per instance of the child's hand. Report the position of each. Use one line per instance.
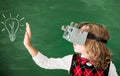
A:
(28, 36)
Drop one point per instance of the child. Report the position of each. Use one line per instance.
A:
(92, 58)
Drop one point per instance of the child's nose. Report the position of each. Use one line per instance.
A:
(74, 44)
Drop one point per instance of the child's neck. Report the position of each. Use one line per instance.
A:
(84, 55)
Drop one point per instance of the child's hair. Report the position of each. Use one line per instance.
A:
(97, 51)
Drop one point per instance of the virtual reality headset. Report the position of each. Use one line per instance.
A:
(73, 34)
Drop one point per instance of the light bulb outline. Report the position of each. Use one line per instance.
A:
(11, 27)
(13, 30)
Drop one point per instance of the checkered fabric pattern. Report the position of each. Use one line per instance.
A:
(82, 67)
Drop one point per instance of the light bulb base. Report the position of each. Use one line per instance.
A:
(12, 37)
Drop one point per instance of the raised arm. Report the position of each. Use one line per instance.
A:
(27, 41)
(44, 61)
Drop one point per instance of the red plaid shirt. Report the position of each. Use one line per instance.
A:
(82, 67)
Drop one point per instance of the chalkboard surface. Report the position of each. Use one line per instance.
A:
(46, 18)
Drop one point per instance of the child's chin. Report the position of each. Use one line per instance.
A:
(76, 51)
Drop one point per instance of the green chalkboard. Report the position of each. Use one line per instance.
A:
(46, 18)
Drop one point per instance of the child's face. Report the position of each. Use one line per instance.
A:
(79, 48)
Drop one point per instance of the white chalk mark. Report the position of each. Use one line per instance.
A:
(22, 18)
(21, 25)
(10, 15)
(2, 23)
(11, 25)
(3, 16)
(17, 16)
(12, 29)
(3, 29)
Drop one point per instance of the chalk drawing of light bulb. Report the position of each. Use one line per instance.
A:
(12, 25)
